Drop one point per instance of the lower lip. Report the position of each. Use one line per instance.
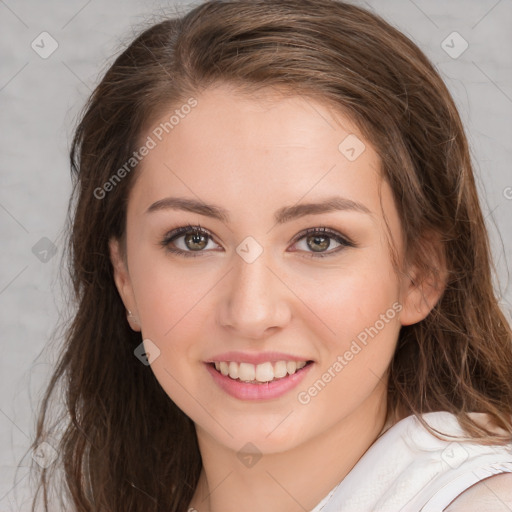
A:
(263, 391)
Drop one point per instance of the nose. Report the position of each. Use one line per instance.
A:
(255, 301)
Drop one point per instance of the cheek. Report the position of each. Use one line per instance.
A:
(366, 326)
(354, 361)
(347, 300)
(167, 295)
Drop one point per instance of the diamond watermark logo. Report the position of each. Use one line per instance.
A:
(454, 45)
(44, 454)
(249, 455)
(44, 45)
(44, 250)
(454, 455)
(249, 249)
(146, 352)
(351, 147)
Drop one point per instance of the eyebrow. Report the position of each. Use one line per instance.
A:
(285, 214)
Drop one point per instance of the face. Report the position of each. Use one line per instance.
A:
(261, 283)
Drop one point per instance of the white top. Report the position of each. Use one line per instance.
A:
(408, 469)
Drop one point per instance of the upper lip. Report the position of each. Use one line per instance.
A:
(255, 357)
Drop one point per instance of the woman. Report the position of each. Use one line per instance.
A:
(282, 275)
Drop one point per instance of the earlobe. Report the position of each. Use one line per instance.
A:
(419, 300)
(123, 283)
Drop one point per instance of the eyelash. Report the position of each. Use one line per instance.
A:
(324, 231)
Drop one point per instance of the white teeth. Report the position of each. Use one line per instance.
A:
(224, 368)
(246, 371)
(264, 372)
(233, 370)
(280, 369)
(291, 367)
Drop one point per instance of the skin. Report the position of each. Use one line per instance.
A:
(252, 156)
(494, 493)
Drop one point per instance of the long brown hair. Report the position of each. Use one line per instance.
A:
(125, 445)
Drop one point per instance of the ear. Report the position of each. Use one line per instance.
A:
(422, 288)
(123, 283)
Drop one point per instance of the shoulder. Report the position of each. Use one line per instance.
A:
(493, 493)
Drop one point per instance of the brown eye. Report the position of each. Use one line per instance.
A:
(196, 241)
(187, 241)
(318, 240)
(318, 243)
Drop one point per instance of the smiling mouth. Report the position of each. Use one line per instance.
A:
(261, 373)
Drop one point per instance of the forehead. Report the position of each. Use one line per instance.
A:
(268, 119)
(257, 152)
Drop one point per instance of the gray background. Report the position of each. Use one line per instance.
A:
(40, 99)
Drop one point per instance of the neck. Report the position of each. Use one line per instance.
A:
(292, 481)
